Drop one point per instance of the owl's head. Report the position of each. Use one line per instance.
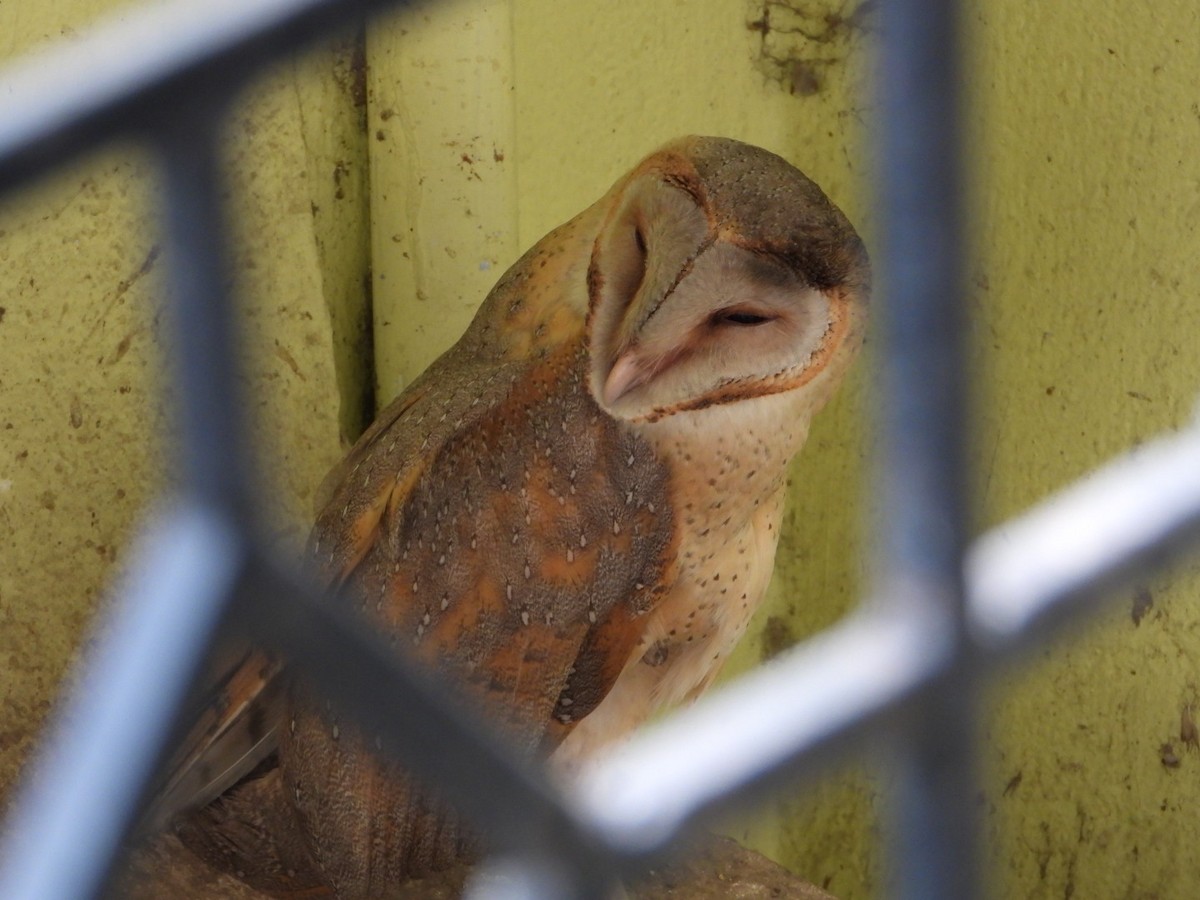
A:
(720, 273)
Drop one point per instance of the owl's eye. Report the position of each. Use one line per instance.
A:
(640, 238)
(739, 317)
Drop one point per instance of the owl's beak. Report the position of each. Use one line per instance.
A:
(635, 366)
(631, 370)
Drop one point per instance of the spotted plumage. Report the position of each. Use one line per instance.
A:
(571, 515)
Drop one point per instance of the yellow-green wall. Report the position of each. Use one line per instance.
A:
(1087, 130)
(487, 124)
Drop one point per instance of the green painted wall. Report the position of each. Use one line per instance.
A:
(1087, 133)
(489, 123)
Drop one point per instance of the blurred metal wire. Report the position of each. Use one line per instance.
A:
(165, 76)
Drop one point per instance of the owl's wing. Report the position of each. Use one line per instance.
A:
(235, 729)
(234, 732)
(509, 534)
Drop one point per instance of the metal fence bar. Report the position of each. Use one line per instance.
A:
(211, 444)
(921, 419)
(118, 80)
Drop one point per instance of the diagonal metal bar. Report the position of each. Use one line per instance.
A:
(1030, 576)
(793, 717)
(821, 702)
(122, 78)
(69, 824)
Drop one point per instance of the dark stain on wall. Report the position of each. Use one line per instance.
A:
(800, 42)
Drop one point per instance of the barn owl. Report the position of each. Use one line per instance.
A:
(571, 515)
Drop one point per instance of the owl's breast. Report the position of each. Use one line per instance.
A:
(727, 503)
